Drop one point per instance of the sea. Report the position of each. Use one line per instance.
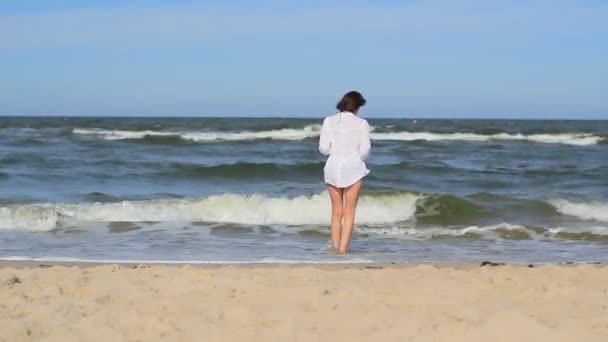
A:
(250, 190)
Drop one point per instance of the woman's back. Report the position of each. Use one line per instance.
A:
(345, 138)
(346, 131)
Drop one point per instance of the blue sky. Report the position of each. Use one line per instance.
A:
(425, 58)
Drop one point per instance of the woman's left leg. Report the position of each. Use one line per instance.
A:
(336, 214)
(351, 196)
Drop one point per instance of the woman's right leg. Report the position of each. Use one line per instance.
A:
(336, 215)
(351, 196)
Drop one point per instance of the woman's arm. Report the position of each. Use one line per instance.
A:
(365, 145)
(325, 139)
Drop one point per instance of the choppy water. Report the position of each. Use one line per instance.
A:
(250, 190)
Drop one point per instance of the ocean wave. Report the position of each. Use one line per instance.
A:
(502, 231)
(313, 131)
(578, 139)
(597, 211)
(309, 131)
(385, 209)
(28, 217)
(232, 208)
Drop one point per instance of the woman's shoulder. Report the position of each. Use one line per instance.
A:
(330, 118)
(351, 122)
(363, 122)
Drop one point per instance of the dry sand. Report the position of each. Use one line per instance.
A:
(303, 303)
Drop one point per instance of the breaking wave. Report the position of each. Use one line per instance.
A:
(397, 214)
(233, 208)
(579, 139)
(313, 131)
(502, 231)
(597, 211)
(310, 131)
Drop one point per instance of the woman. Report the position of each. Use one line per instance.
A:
(345, 138)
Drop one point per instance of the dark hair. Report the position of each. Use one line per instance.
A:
(351, 102)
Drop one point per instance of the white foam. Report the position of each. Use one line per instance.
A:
(228, 208)
(413, 233)
(28, 217)
(587, 211)
(596, 230)
(579, 139)
(312, 131)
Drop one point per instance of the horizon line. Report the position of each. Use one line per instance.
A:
(464, 117)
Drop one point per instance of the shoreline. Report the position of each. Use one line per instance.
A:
(23, 264)
(37, 263)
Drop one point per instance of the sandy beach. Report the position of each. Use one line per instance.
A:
(302, 303)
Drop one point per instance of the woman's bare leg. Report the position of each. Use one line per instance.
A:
(351, 196)
(336, 215)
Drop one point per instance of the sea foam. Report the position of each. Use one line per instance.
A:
(313, 131)
(580, 139)
(416, 233)
(229, 208)
(310, 131)
(587, 211)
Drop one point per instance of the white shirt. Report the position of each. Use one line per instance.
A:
(345, 138)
